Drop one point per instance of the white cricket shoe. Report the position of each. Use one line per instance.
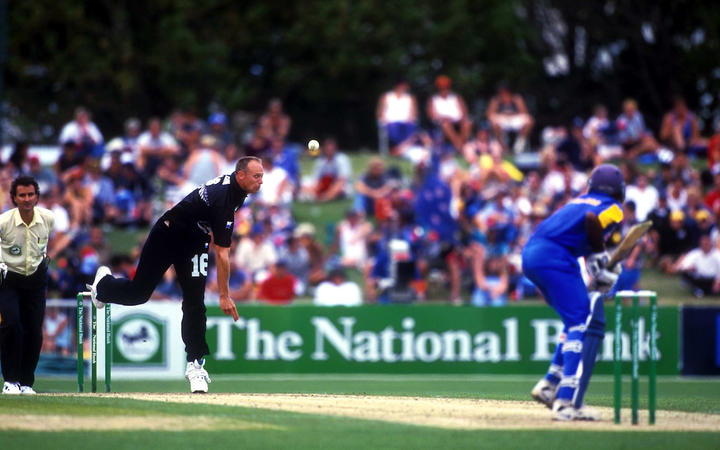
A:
(27, 390)
(197, 376)
(101, 273)
(11, 388)
(544, 392)
(563, 410)
(587, 414)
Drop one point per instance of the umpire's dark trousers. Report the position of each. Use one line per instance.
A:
(186, 249)
(22, 309)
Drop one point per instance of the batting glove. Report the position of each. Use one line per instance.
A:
(604, 277)
(597, 262)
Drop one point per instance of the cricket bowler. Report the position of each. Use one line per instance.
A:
(550, 261)
(181, 238)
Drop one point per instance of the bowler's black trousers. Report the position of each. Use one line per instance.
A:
(22, 309)
(184, 247)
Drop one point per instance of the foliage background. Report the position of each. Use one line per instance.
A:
(330, 59)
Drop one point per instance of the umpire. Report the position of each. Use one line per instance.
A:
(24, 235)
(181, 238)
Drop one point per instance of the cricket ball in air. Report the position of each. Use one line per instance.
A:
(313, 147)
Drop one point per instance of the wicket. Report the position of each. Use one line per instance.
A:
(635, 351)
(93, 344)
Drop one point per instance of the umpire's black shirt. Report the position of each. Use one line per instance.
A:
(211, 207)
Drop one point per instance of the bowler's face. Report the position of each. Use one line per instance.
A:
(250, 179)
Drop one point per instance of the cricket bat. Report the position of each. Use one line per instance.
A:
(628, 242)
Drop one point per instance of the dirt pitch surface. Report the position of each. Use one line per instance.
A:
(453, 413)
(54, 422)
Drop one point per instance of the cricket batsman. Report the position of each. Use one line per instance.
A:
(550, 261)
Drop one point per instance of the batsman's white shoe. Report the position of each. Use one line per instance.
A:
(585, 413)
(101, 273)
(563, 410)
(27, 390)
(197, 376)
(11, 388)
(544, 392)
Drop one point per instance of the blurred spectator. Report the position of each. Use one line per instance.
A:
(700, 268)
(491, 290)
(286, 156)
(694, 201)
(78, 198)
(351, 235)
(397, 112)
(258, 145)
(204, 163)
(305, 233)
(153, 145)
(713, 153)
(170, 175)
(255, 253)
(133, 127)
(705, 223)
(561, 179)
(230, 155)
(416, 148)
(63, 280)
(337, 291)
(601, 135)
(44, 176)
(643, 195)
(277, 188)
(69, 157)
(275, 123)
(675, 240)
(217, 128)
(62, 233)
(168, 288)
(372, 186)
(634, 136)
(18, 163)
(278, 287)
(491, 168)
(93, 252)
(133, 193)
(483, 144)
(56, 332)
(102, 191)
(332, 174)
(186, 128)
(677, 195)
(394, 266)
(508, 113)
(680, 131)
(576, 149)
(240, 284)
(432, 214)
(448, 112)
(297, 259)
(712, 198)
(83, 133)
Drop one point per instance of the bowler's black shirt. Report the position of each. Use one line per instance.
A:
(211, 207)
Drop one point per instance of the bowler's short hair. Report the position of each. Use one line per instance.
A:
(243, 162)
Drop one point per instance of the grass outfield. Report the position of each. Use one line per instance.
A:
(196, 426)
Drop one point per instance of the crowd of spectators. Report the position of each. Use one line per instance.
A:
(451, 228)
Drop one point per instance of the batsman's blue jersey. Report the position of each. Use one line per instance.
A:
(566, 227)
